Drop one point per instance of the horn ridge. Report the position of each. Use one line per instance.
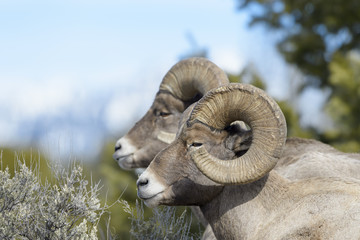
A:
(247, 103)
(192, 76)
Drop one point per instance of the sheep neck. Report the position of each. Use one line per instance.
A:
(235, 212)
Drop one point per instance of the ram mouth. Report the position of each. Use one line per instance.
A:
(124, 157)
(152, 201)
(126, 161)
(147, 198)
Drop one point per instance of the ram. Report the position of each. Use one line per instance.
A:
(185, 83)
(190, 79)
(238, 193)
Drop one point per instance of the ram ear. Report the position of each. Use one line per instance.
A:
(239, 138)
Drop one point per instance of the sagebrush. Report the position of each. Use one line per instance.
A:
(30, 209)
(68, 207)
(163, 224)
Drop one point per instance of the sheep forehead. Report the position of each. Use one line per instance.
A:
(160, 102)
(148, 127)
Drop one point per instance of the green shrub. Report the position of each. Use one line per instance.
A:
(66, 205)
(30, 209)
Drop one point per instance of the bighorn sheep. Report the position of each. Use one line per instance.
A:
(239, 195)
(185, 83)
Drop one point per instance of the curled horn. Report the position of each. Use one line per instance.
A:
(189, 77)
(226, 104)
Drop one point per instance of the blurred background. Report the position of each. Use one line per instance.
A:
(76, 75)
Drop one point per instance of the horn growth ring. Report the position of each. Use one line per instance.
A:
(243, 102)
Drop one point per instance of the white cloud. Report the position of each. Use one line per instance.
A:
(8, 133)
(45, 98)
(228, 58)
(124, 109)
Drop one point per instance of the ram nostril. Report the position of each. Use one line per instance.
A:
(117, 147)
(142, 182)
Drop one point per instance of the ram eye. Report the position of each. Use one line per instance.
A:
(164, 114)
(196, 144)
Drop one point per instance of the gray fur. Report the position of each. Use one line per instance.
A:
(310, 204)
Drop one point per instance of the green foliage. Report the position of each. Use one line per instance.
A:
(343, 106)
(320, 38)
(10, 159)
(307, 50)
(311, 31)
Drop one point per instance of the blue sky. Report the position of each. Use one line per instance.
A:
(73, 73)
